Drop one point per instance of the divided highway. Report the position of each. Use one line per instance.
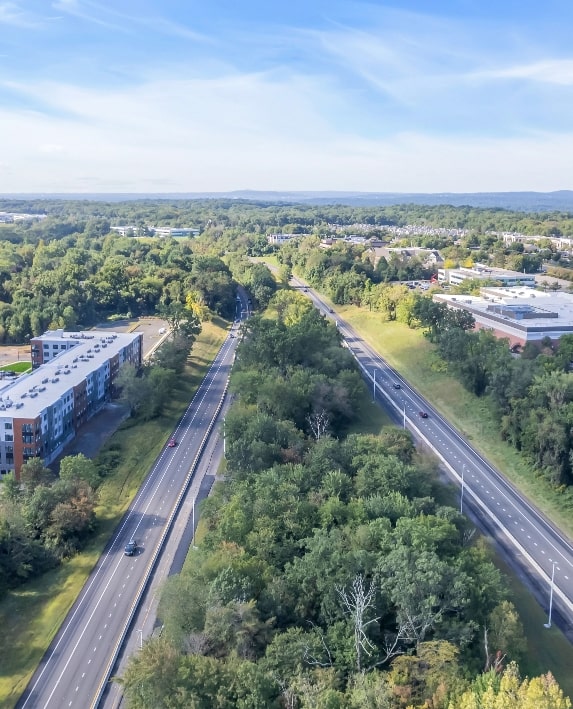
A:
(540, 549)
(77, 665)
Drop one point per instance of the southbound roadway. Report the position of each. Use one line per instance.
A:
(76, 668)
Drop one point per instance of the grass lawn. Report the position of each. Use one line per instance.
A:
(546, 649)
(31, 615)
(19, 367)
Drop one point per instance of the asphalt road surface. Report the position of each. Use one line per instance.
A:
(75, 669)
(537, 546)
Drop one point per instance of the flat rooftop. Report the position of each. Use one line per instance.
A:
(30, 394)
(484, 270)
(519, 306)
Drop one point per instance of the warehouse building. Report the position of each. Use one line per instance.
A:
(517, 313)
(42, 411)
(481, 272)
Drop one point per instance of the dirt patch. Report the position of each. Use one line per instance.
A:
(14, 353)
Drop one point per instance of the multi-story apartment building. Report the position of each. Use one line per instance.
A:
(42, 411)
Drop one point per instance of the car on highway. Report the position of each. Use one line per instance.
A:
(306, 290)
(172, 443)
(330, 310)
(396, 385)
(130, 547)
(423, 414)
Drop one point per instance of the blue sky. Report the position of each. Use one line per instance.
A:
(215, 95)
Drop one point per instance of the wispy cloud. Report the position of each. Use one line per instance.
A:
(77, 9)
(111, 18)
(252, 131)
(549, 71)
(12, 14)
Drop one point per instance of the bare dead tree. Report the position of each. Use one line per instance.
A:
(357, 601)
(310, 658)
(319, 422)
(492, 661)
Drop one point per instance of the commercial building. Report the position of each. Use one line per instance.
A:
(278, 239)
(519, 314)
(481, 272)
(42, 411)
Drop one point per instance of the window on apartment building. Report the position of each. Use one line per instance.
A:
(8, 426)
(8, 437)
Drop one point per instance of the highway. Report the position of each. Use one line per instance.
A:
(75, 669)
(537, 547)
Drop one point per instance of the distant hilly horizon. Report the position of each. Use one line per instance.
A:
(561, 200)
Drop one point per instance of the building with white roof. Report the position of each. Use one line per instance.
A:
(520, 314)
(42, 411)
(482, 272)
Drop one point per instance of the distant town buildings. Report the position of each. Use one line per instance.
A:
(11, 217)
(482, 272)
(520, 314)
(72, 378)
(163, 231)
(278, 239)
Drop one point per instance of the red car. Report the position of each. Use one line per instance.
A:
(172, 443)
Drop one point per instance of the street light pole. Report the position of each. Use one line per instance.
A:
(140, 639)
(193, 523)
(548, 624)
(462, 493)
(404, 416)
(374, 385)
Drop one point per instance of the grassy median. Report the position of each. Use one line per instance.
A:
(31, 615)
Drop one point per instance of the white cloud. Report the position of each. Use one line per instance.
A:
(12, 14)
(550, 71)
(249, 131)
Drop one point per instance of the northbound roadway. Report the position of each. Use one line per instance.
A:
(538, 548)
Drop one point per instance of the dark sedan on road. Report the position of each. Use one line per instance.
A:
(130, 547)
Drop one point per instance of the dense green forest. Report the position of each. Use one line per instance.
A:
(68, 270)
(257, 216)
(329, 574)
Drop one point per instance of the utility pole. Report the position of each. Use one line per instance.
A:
(548, 624)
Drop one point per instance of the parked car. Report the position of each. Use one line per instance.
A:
(131, 547)
(423, 414)
(172, 443)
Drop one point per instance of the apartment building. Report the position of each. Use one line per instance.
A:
(42, 411)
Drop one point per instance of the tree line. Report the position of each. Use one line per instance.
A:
(329, 574)
(78, 281)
